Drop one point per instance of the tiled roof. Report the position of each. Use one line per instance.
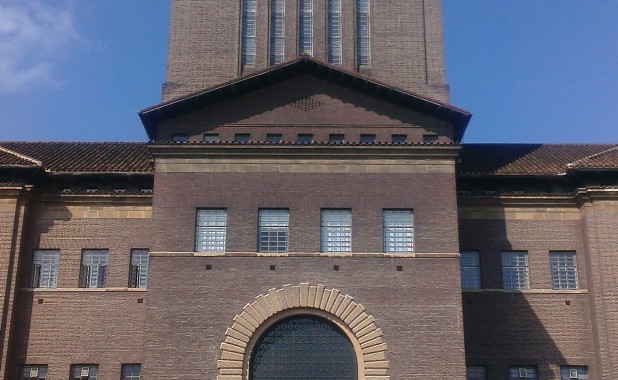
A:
(74, 157)
(9, 158)
(534, 159)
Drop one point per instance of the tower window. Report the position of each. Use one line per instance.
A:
(305, 27)
(334, 32)
(398, 230)
(363, 36)
(277, 31)
(515, 273)
(45, 268)
(138, 276)
(210, 233)
(336, 230)
(249, 8)
(273, 230)
(94, 268)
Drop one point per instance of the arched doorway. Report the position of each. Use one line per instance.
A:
(303, 347)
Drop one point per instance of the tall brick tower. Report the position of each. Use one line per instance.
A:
(395, 41)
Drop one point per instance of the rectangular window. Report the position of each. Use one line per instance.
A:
(563, 270)
(249, 10)
(138, 274)
(31, 371)
(476, 373)
(363, 36)
(517, 373)
(430, 138)
(335, 138)
(131, 371)
(273, 230)
(242, 137)
(277, 31)
(399, 139)
(45, 268)
(470, 268)
(334, 32)
(274, 137)
(336, 230)
(94, 267)
(367, 139)
(305, 27)
(398, 230)
(211, 137)
(304, 138)
(573, 373)
(84, 371)
(515, 270)
(181, 137)
(211, 230)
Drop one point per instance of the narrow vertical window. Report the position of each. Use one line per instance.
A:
(334, 32)
(34, 372)
(398, 230)
(94, 267)
(336, 230)
(85, 371)
(273, 230)
(45, 268)
(363, 35)
(131, 372)
(517, 373)
(476, 373)
(515, 273)
(249, 8)
(211, 230)
(305, 27)
(470, 268)
(277, 31)
(138, 273)
(563, 270)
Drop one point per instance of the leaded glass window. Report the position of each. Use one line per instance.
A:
(363, 37)
(334, 32)
(563, 270)
(249, 10)
(138, 276)
(470, 268)
(515, 270)
(303, 348)
(45, 268)
(273, 230)
(398, 230)
(336, 230)
(210, 231)
(93, 268)
(277, 31)
(305, 27)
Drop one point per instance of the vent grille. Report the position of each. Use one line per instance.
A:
(307, 104)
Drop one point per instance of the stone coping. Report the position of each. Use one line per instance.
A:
(527, 291)
(56, 290)
(425, 255)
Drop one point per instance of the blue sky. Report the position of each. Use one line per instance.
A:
(528, 70)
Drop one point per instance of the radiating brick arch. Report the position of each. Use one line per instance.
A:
(268, 309)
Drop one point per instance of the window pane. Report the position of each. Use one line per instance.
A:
(138, 275)
(573, 372)
(93, 270)
(211, 137)
(304, 138)
(45, 268)
(242, 137)
(523, 373)
(335, 138)
(563, 270)
(336, 230)
(399, 139)
(274, 137)
(515, 270)
(367, 139)
(131, 371)
(476, 373)
(305, 27)
(470, 267)
(211, 230)
(398, 230)
(273, 230)
(334, 32)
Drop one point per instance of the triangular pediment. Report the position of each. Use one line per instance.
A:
(304, 92)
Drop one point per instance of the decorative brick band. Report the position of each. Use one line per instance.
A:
(313, 299)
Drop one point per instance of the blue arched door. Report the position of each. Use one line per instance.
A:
(303, 348)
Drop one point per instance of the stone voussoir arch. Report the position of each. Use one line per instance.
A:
(304, 296)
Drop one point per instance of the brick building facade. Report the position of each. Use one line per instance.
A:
(322, 205)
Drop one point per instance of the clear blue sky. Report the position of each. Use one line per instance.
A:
(528, 70)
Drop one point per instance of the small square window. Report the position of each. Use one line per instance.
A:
(211, 137)
(32, 371)
(304, 138)
(470, 268)
(573, 373)
(336, 230)
(131, 371)
(476, 373)
(45, 268)
(180, 137)
(274, 137)
(84, 371)
(138, 273)
(93, 268)
(517, 373)
(563, 270)
(210, 234)
(335, 138)
(430, 138)
(515, 273)
(367, 139)
(242, 137)
(399, 139)
(398, 228)
(273, 230)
